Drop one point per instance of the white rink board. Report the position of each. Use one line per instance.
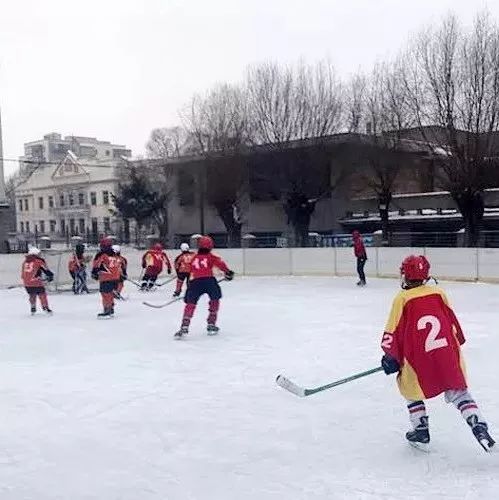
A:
(267, 261)
(389, 260)
(312, 261)
(488, 264)
(459, 264)
(233, 257)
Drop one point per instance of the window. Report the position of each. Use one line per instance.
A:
(27, 227)
(51, 202)
(108, 152)
(26, 205)
(53, 226)
(81, 226)
(107, 225)
(20, 205)
(71, 199)
(21, 226)
(72, 226)
(40, 202)
(81, 198)
(63, 226)
(105, 197)
(42, 226)
(93, 198)
(61, 200)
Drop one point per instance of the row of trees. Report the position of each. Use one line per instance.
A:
(440, 95)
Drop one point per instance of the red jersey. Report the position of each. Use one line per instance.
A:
(202, 265)
(424, 336)
(107, 266)
(75, 263)
(358, 247)
(183, 262)
(123, 263)
(154, 260)
(32, 270)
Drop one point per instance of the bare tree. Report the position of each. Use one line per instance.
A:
(219, 126)
(453, 84)
(379, 104)
(295, 103)
(167, 142)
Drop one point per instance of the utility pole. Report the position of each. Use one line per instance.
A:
(3, 200)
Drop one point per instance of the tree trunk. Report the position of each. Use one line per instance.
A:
(384, 201)
(472, 207)
(226, 213)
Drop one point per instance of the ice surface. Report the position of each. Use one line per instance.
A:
(118, 410)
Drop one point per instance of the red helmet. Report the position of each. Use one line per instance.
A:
(205, 243)
(158, 247)
(106, 243)
(415, 268)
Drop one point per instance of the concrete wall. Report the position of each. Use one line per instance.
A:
(465, 264)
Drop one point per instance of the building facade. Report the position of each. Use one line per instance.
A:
(69, 197)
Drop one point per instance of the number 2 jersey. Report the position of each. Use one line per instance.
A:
(33, 270)
(424, 336)
(203, 263)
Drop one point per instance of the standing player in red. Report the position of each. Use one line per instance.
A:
(33, 269)
(422, 343)
(107, 269)
(359, 251)
(152, 263)
(124, 266)
(182, 266)
(203, 281)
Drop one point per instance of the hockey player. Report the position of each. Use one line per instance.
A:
(35, 273)
(124, 265)
(152, 263)
(202, 281)
(183, 267)
(106, 268)
(422, 344)
(359, 250)
(78, 270)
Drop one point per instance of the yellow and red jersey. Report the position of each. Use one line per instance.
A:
(183, 262)
(202, 265)
(154, 260)
(107, 266)
(424, 336)
(32, 271)
(76, 263)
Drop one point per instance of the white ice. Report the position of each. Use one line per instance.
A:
(117, 409)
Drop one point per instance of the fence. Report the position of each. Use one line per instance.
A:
(468, 264)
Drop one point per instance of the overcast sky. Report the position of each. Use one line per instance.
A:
(115, 69)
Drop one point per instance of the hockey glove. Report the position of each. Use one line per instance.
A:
(390, 365)
(169, 270)
(229, 275)
(49, 276)
(95, 274)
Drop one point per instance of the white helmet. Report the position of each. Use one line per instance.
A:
(184, 247)
(33, 251)
(116, 248)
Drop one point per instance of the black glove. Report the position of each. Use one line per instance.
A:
(169, 270)
(49, 278)
(95, 274)
(390, 365)
(229, 275)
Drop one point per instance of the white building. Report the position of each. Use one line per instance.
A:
(70, 197)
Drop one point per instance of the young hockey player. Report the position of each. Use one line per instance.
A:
(124, 265)
(182, 266)
(152, 263)
(78, 270)
(33, 269)
(359, 251)
(422, 343)
(202, 281)
(106, 268)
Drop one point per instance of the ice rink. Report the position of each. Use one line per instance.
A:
(117, 410)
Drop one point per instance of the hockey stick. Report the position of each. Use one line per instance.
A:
(176, 299)
(167, 281)
(134, 282)
(290, 386)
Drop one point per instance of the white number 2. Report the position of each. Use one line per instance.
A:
(432, 342)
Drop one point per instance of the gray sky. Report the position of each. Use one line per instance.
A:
(115, 69)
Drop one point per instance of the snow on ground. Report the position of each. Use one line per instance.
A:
(118, 410)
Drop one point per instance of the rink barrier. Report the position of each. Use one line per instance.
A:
(460, 264)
